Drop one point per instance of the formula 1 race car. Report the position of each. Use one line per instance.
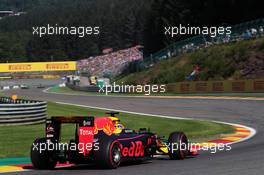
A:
(24, 86)
(103, 141)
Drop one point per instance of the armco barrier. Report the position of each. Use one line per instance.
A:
(22, 111)
(256, 85)
(88, 88)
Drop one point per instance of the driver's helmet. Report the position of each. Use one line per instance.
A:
(118, 126)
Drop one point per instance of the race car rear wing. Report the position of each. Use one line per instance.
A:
(72, 119)
(53, 125)
(84, 133)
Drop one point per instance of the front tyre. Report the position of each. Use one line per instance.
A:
(178, 145)
(41, 159)
(109, 154)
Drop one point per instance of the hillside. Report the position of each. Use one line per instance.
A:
(122, 24)
(117, 20)
(240, 60)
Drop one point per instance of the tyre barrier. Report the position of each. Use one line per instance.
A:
(19, 112)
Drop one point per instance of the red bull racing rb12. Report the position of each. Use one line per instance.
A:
(103, 141)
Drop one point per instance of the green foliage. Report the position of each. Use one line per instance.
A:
(218, 62)
(121, 25)
(12, 46)
(261, 47)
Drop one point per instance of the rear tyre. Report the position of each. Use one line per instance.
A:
(42, 160)
(109, 154)
(178, 145)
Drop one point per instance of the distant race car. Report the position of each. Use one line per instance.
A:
(103, 141)
(40, 86)
(24, 86)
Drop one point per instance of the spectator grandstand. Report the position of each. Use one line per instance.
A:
(111, 63)
(243, 31)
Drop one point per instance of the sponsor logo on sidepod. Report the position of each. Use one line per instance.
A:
(135, 150)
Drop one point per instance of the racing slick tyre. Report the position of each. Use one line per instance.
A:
(178, 145)
(109, 154)
(41, 160)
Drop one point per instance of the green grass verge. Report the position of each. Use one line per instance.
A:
(66, 90)
(16, 140)
(217, 62)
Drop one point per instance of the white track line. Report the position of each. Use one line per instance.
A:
(161, 97)
(252, 130)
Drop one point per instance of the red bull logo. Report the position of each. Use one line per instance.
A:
(104, 124)
(136, 149)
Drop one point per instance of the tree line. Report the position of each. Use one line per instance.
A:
(122, 23)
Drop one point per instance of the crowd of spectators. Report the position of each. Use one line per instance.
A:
(110, 64)
(205, 41)
(202, 41)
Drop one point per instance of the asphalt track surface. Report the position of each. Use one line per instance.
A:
(245, 158)
(30, 82)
